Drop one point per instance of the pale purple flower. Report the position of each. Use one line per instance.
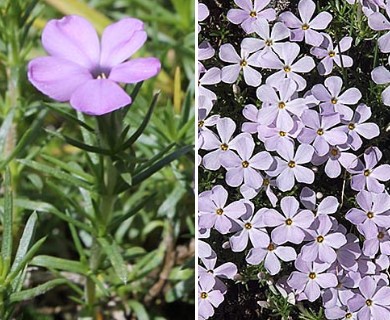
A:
(291, 224)
(330, 54)
(378, 22)
(374, 212)
(319, 131)
(335, 159)
(204, 121)
(348, 254)
(367, 176)
(249, 12)
(251, 112)
(213, 211)
(280, 105)
(86, 71)
(306, 27)
(252, 229)
(285, 63)
(221, 144)
(291, 168)
(359, 127)
(243, 62)
(310, 278)
(380, 75)
(271, 254)
(322, 241)
(332, 100)
(373, 300)
(208, 298)
(249, 193)
(203, 13)
(211, 76)
(376, 239)
(205, 51)
(243, 167)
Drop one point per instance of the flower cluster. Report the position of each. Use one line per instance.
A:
(291, 132)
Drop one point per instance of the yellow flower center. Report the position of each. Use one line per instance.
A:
(333, 101)
(380, 235)
(334, 152)
(312, 275)
(210, 271)
(351, 126)
(291, 164)
(271, 247)
(281, 105)
(200, 123)
(219, 212)
(289, 222)
(265, 182)
(370, 215)
(348, 315)
(243, 63)
(320, 239)
(245, 164)
(332, 53)
(282, 133)
(203, 295)
(253, 14)
(248, 225)
(369, 302)
(287, 69)
(305, 26)
(367, 172)
(320, 132)
(224, 147)
(268, 42)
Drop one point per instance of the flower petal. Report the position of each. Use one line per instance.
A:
(135, 70)
(72, 38)
(99, 96)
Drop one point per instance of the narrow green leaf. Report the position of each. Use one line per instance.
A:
(88, 138)
(147, 263)
(6, 246)
(113, 253)
(38, 290)
(59, 174)
(138, 309)
(25, 240)
(28, 137)
(143, 125)
(59, 264)
(138, 178)
(146, 164)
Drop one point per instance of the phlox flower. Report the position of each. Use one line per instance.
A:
(249, 12)
(243, 167)
(322, 241)
(380, 75)
(86, 71)
(332, 100)
(366, 175)
(286, 66)
(221, 144)
(335, 159)
(374, 212)
(213, 211)
(271, 254)
(208, 298)
(372, 301)
(348, 254)
(251, 113)
(329, 54)
(291, 168)
(205, 51)
(252, 229)
(319, 131)
(204, 121)
(376, 239)
(358, 126)
(203, 13)
(291, 224)
(279, 104)
(378, 22)
(268, 183)
(244, 62)
(225, 271)
(310, 278)
(306, 27)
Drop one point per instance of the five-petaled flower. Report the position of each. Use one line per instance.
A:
(85, 71)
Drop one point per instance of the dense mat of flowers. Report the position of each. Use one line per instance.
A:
(292, 131)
